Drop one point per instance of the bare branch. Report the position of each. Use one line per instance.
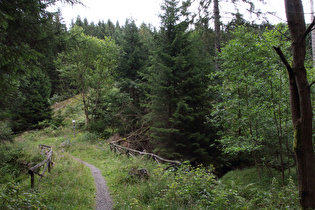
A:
(308, 30)
(284, 60)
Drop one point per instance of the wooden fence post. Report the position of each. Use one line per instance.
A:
(31, 171)
(49, 162)
(32, 178)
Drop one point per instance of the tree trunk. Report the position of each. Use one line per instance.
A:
(300, 100)
(278, 125)
(85, 103)
(216, 13)
(313, 33)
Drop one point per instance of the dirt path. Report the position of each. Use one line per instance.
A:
(103, 200)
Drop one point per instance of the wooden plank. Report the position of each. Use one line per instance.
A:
(42, 163)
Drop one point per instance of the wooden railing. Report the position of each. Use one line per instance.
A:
(121, 149)
(48, 160)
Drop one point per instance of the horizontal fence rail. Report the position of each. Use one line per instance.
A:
(115, 147)
(48, 162)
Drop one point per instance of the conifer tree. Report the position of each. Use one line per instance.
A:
(26, 31)
(177, 85)
(30, 104)
(133, 59)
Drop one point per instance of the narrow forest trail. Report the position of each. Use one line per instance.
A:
(103, 199)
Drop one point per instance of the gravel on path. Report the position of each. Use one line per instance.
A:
(103, 200)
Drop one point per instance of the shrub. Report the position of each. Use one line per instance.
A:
(5, 132)
(237, 193)
(189, 187)
(16, 160)
(9, 155)
(57, 120)
(12, 197)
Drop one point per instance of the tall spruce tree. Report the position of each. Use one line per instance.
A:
(177, 85)
(30, 103)
(132, 61)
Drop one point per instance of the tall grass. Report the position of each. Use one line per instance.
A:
(70, 185)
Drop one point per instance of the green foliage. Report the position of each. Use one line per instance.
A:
(189, 187)
(88, 137)
(184, 188)
(242, 189)
(135, 53)
(117, 113)
(57, 120)
(20, 28)
(30, 106)
(5, 132)
(121, 112)
(12, 197)
(100, 30)
(9, 166)
(253, 109)
(16, 159)
(88, 63)
(30, 38)
(58, 189)
(178, 102)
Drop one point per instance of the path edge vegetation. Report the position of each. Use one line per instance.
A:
(189, 187)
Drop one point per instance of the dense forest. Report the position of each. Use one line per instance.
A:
(189, 90)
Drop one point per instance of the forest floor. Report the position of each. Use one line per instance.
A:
(103, 199)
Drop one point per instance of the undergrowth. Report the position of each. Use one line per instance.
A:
(184, 187)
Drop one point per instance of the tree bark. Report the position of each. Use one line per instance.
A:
(216, 13)
(313, 33)
(300, 100)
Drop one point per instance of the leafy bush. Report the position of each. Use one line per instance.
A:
(57, 120)
(189, 187)
(5, 132)
(286, 197)
(70, 111)
(16, 160)
(242, 189)
(12, 197)
(9, 166)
